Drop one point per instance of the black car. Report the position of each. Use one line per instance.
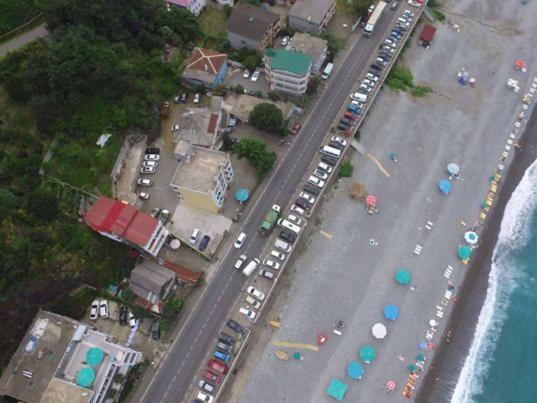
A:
(385, 56)
(314, 190)
(347, 122)
(303, 204)
(287, 236)
(226, 338)
(342, 127)
(376, 67)
(401, 27)
(380, 66)
(336, 144)
(155, 331)
(204, 242)
(123, 315)
(152, 150)
(235, 326)
(329, 160)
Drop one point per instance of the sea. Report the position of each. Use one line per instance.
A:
(502, 362)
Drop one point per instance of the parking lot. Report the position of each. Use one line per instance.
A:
(235, 77)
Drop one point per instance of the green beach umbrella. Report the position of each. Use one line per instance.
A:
(465, 252)
(420, 357)
(85, 377)
(412, 368)
(367, 353)
(403, 276)
(94, 356)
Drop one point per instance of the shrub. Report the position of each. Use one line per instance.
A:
(421, 91)
(346, 169)
(239, 89)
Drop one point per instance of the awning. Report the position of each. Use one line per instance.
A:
(337, 389)
(465, 252)
(355, 370)
(403, 276)
(367, 353)
(379, 331)
(242, 195)
(445, 186)
(391, 312)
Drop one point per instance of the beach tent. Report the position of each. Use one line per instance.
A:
(453, 168)
(85, 377)
(445, 186)
(465, 252)
(337, 389)
(391, 312)
(402, 276)
(242, 195)
(412, 368)
(355, 370)
(471, 237)
(94, 356)
(367, 353)
(379, 331)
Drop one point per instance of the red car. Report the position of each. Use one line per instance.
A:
(350, 116)
(296, 128)
(209, 376)
(218, 366)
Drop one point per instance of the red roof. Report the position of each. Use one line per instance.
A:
(206, 60)
(183, 274)
(427, 33)
(121, 219)
(212, 123)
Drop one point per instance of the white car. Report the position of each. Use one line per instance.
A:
(145, 182)
(355, 96)
(246, 73)
(271, 263)
(94, 311)
(325, 167)
(144, 195)
(240, 262)
(194, 237)
(340, 140)
(368, 82)
(371, 77)
(248, 313)
(297, 209)
(277, 255)
(256, 293)
(240, 240)
(294, 219)
(253, 302)
(266, 274)
(103, 309)
(152, 157)
(319, 173)
(316, 181)
(175, 128)
(197, 98)
(132, 320)
(150, 164)
(306, 196)
(255, 76)
(285, 41)
(148, 170)
(204, 397)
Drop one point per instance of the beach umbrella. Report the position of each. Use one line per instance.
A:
(520, 64)
(391, 312)
(445, 186)
(371, 200)
(355, 370)
(412, 368)
(402, 276)
(391, 385)
(242, 194)
(465, 252)
(422, 345)
(85, 377)
(94, 356)
(420, 357)
(453, 168)
(471, 237)
(367, 353)
(379, 331)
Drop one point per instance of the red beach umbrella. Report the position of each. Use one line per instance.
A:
(520, 64)
(371, 200)
(391, 385)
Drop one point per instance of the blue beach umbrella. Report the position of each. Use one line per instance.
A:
(355, 370)
(367, 353)
(391, 312)
(464, 252)
(242, 195)
(445, 186)
(422, 345)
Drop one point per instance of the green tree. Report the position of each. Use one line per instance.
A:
(251, 62)
(239, 89)
(8, 203)
(255, 151)
(267, 117)
(333, 45)
(42, 205)
(273, 96)
(360, 7)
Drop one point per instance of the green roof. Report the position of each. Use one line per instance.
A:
(289, 60)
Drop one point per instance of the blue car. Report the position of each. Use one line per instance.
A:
(354, 109)
(222, 356)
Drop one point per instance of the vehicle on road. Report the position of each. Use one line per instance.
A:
(255, 292)
(94, 310)
(197, 98)
(287, 236)
(144, 195)
(194, 237)
(224, 356)
(206, 386)
(148, 170)
(297, 209)
(271, 263)
(205, 397)
(252, 301)
(246, 73)
(144, 182)
(270, 219)
(248, 313)
(217, 366)
(374, 18)
(309, 198)
(103, 308)
(240, 240)
(240, 261)
(394, 5)
(266, 274)
(327, 71)
(295, 129)
(277, 255)
(122, 315)
(203, 243)
(250, 267)
(209, 376)
(256, 75)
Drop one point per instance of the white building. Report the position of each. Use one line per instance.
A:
(194, 6)
(288, 71)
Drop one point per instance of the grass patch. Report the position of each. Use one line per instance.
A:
(213, 22)
(401, 79)
(440, 16)
(344, 7)
(346, 169)
(421, 91)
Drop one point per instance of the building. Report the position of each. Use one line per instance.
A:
(151, 281)
(427, 35)
(205, 67)
(253, 27)
(311, 15)
(201, 126)
(124, 223)
(194, 6)
(288, 71)
(202, 177)
(61, 360)
(314, 47)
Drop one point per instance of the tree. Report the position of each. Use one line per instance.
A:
(333, 45)
(227, 10)
(252, 62)
(267, 117)
(239, 89)
(42, 205)
(361, 6)
(273, 96)
(255, 151)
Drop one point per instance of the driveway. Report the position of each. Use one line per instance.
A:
(234, 77)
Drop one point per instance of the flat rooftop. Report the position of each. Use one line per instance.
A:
(199, 172)
(309, 45)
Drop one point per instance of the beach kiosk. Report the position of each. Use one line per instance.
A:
(337, 389)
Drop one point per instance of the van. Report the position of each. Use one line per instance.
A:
(289, 225)
(249, 269)
(358, 96)
(327, 71)
(332, 152)
(282, 245)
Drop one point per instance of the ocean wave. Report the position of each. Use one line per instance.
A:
(502, 281)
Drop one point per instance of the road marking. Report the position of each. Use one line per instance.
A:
(326, 234)
(379, 165)
(295, 345)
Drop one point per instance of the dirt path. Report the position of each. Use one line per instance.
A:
(23, 39)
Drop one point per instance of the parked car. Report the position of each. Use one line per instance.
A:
(266, 274)
(205, 398)
(366, 88)
(209, 376)
(226, 338)
(240, 261)
(285, 41)
(240, 240)
(177, 99)
(94, 310)
(294, 219)
(339, 140)
(368, 82)
(346, 122)
(184, 97)
(252, 302)
(278, 255)
(256, 293)
(150, 164)
(309, 198)
(175, 128)
(148, 170)
(325, 167)
(302, 203)
(271, 263)
(295, 129)
(155, 212)
(204, 242)
(372, 77)
(329, 160)
(152, 150)
(132, 320)
(351, 115)
(235, 326)
(103, 308)
(164, 216)
(314, 190)
(206, 386)
(197, 98)
(394, 5)
(287, 236)
(297, 209)
(256, 75)
(246, 73)
(319, 173)
(194, 237)
(217, 366)
(313, 180)
(144, 195)
(247, 312)
(224, 356)
(155, 331)
(144, 182)
(122, 315)
(152, 157)
(335, 144)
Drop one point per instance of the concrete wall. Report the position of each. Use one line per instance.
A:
(237, 42)
(203, 201)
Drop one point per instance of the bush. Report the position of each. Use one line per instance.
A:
(273, 96)
(172, 309)
(396, 84)
(346, 169)
(421, 91)
(403, 75)
(128, 296)
(239, 89)
(440, 16)
(255, 151)
(267, 117)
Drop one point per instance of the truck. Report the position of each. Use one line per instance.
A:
(374, 18)
(327, 71)
(270, 219)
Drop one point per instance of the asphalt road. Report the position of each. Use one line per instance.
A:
(175, 374)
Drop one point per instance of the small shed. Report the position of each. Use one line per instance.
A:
(427, 34)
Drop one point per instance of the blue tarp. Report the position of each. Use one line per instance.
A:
(355, 370)
(391, 312)
(337, 389)
(242, 195)
(445, 186)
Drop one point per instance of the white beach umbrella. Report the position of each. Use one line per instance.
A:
(471, 237)
(379, 331)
